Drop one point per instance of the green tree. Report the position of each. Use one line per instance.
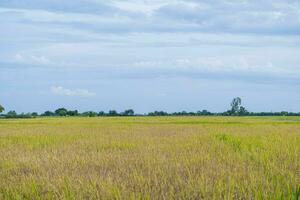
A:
(112, 113)
(34, 114)
(128, 112)
(284, 113)
(203, 112)
(72, 113)
(1, 109)
(61, 112)
(89, 114)
(48, 113)
(101, 113)
(235, 105)
(242, 111)
(11, 114)
(158, 113)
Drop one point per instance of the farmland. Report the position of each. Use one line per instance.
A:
(150, 158)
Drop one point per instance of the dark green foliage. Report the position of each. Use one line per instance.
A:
(158, 113)
(204, 113)
(61, 112)
(72, 113)
(89, 114)
(11, 114)
(34, 114)
(1, 109)
(128, 112)
(27, 115)
(48, 114)
(242, 111)
(101, 113)
(112, 113)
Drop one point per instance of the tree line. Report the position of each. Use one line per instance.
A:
(236, 109)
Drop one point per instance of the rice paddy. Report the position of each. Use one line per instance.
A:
(150, 158)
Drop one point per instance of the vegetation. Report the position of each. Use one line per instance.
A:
(150, 158)
(1, 109)
(236, 110)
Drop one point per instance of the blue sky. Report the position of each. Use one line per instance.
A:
(149, 55)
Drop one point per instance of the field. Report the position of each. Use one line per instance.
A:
(150, 158)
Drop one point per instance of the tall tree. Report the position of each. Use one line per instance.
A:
(235, 105)
(1, 109)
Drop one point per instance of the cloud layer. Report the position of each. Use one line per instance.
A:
(96, 43)
(225, 16)
(58, 90)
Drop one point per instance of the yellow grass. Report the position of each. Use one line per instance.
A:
(150, 158)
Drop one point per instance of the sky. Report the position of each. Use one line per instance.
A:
(148, 55)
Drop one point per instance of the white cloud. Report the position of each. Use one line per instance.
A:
(31, 59)
(238, 17)
(219, 64)
(167, 37)
(58, 90)
(80, 6)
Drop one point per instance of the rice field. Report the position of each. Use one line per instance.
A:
(150, 158)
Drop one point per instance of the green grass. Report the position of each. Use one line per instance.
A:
(150, 158)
